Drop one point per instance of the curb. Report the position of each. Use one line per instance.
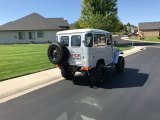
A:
(133, 50)
(126, 38)
(16, 87)
(20, 84)
(115, 35)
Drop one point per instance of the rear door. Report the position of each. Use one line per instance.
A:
(76, 49)
(73, 42)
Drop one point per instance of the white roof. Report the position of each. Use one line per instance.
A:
(81, 31)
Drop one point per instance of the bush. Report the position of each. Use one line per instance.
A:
(49, 42)
(141, 38)
(158, 37)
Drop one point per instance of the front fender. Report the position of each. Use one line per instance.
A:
(116, 56)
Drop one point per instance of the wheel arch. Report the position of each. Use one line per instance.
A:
(116, 56)
(100, 61)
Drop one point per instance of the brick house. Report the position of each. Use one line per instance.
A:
(149, 29)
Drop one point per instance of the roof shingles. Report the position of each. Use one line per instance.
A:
(149, 26)
(35, 22)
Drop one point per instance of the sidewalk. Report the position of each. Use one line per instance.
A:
(20, 84)
(126, 38)
(133, 50)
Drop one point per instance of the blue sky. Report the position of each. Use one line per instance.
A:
(128, 11)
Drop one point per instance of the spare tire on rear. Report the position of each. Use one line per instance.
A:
(57, 53)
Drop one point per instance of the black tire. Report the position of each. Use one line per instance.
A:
(67, 74)
(57, 53)
(97, 74)
(120, 65)
(100, 73)
(92, 76)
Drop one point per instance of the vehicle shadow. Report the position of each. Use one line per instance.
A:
(129, 78)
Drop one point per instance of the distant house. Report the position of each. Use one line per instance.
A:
(33, 28)
(134, 29)
(72, 26)
(149, 29)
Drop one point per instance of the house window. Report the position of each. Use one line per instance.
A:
(21, 35)
(40, 34)
(56, 38)
(31, 35)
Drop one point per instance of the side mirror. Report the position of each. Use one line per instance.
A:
(109, 42)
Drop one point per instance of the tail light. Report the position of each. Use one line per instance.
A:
(85, 68)
(57, 66)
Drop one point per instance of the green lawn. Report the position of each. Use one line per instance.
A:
(134, 38)
(17, 60)
(21, 59)
(152, 39)
(123, 47)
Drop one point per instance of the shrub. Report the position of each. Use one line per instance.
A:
(158, 37)
(141, 38)
(49, 42)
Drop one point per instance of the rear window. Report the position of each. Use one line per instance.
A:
(65, 40)
(76, 41)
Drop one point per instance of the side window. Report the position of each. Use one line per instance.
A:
(89, 40)
(99, 40)
(109, 39)
(76, 41)
(65, 40)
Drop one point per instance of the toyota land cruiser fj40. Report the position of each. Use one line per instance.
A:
(85, 50)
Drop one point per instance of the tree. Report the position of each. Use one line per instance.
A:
(128, 27)
(118, 26)
(77, 25)
(99, 14)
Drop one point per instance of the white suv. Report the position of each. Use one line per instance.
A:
(85, 50)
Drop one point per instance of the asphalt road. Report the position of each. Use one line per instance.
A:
(135, 43)
(132, 95)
